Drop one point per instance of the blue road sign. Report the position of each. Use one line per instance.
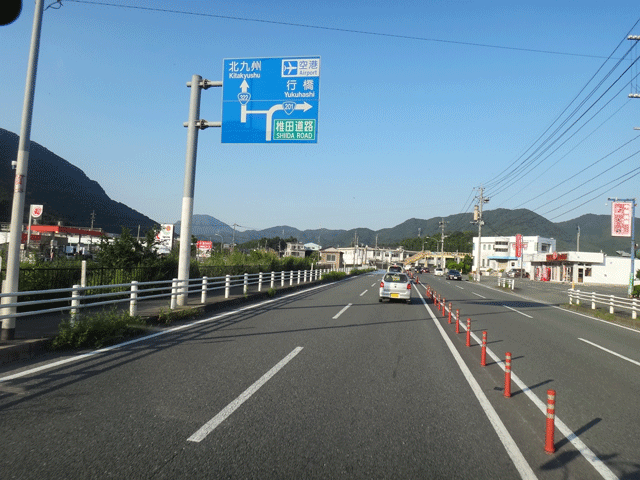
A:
(270, 100)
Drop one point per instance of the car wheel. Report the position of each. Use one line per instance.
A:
(409, 302)
(380, 299)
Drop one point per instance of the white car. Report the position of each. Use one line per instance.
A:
(395, 286)
(438, 271)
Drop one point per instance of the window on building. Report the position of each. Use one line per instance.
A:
(587, 272)
(545, 247)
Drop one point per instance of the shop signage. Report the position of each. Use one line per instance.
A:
(556, 257)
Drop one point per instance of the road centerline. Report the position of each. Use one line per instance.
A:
(208, 427)
(364, 292)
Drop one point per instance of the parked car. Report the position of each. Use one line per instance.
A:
(517, 273)
(395, 286)
(454, 275)
(438, 271)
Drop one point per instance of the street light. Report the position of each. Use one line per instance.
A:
(221, 241)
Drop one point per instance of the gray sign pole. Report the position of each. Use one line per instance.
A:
(193, 125)
(11, 284)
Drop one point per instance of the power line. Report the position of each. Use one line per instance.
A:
(336, 29)
(496, 178)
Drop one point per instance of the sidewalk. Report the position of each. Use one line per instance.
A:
(34, 333)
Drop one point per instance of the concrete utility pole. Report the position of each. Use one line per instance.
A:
(578, 240)
(442, 237)
(184, 260)
(11, 284)
(477, 218)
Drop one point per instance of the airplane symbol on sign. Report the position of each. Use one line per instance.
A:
(288, 67)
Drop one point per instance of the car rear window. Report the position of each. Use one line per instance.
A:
(395, 277)
(395, 269)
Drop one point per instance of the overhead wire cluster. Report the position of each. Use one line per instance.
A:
(551, 147)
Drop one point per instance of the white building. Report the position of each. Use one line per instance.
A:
(499, 253)
(582, 268)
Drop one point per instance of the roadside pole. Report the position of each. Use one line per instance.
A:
(11, 284)
(184, 260)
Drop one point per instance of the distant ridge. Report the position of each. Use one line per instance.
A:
(67, 194)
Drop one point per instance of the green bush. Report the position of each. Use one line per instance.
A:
(636, 291)
(97, 330)
(271, 292)
(333, 276)
(168, 316)
(360, 271)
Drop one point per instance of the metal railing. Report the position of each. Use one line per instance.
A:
(506, 282)
(611, 301)
(78, 297)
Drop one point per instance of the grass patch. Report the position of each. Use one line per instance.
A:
(168, 316)
(97, 330)
(271, 292)
(332, 276)
(360, 271)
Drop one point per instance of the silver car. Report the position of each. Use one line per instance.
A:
(395, 285)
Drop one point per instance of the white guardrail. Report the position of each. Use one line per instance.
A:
(77, 298)
(611, 301)
(506, 282)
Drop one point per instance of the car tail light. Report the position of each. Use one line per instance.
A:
(408, 286)
(381, 284)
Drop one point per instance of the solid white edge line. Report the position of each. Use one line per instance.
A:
(341, 311)
(609, 351)
(208, 427)
(578, 444)
(76, 358)
(364, 292)
(517, 311)
(509, 444)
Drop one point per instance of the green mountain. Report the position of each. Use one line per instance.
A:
(67, 194)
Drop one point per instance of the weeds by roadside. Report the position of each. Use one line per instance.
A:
(97, 330)
(168, 316)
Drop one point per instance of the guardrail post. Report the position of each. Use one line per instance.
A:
(282, 279)
(174, 292)
(245, 288)
(305, 276)
(513, 283)
(290, 277)
(611, 304)
(83, 274)
(593, 300)
(634, 307)
(571, 296)
(298, 277)
(203, 296)
(133, 303)
(273, 279)
(75, 304)
(260, 282)
(227, 285)
(577, 297)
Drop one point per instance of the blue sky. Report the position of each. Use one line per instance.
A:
(407, 127)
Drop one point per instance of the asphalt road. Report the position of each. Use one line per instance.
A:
(330, 383)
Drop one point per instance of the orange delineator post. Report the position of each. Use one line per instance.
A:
(549, 446)
(449, 312)
(457, 323)
(444, 306)
(468, 332)
(483, 354)
(507, 375)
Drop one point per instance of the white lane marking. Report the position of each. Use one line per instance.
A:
(509, 444)
(606, 322)
(609, 351)
(208, 427)
(461, 288)
(341, 311)
(373, 285)
(578, 444)
(517, 311)
(477, 294)
(364, 292)
(76, 358)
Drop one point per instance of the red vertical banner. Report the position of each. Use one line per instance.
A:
(621, 219)
(518, 245)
